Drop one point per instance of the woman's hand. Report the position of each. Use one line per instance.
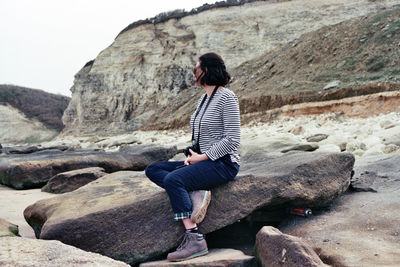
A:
(195, 157)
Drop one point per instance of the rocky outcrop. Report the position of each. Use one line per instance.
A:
(22, 252)
(7, 228)
(69, 181)
(144, 78)
(35, 169)
(215, 257)
(276, 249)
(138, 212)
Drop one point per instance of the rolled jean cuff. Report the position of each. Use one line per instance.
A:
(182, 215)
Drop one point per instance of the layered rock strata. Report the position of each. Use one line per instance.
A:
(123, 215)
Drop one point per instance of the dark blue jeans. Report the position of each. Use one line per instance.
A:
(202, 175)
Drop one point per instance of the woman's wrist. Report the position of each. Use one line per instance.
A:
(204, 156)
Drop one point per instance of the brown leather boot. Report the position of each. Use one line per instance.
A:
(193, 245)
(200, 201)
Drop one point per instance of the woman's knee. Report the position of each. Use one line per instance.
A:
(151, 169)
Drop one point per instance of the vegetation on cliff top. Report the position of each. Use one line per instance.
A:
(45, 107)
(180, 13)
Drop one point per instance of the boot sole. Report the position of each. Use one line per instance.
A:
(198, 254)
(199, 216)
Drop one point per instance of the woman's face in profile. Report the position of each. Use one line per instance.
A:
(197, 73)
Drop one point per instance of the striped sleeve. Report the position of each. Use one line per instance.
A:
(231, 132)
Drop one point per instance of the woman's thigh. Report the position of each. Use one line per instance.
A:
(157, 171)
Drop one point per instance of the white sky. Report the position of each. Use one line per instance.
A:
(44, 43)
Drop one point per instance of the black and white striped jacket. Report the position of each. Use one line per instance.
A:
(220, 126)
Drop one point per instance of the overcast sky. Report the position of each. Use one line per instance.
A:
(44, 43)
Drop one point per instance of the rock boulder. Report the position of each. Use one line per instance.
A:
(276, 249)
(125, 216)
(69, 181)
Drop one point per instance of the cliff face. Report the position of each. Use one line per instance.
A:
(144, 78)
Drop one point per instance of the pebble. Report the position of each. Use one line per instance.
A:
(386, 124)
(297, 130)
(390, 148)
(332, 84)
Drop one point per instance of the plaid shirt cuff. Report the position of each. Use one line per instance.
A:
(182, 215)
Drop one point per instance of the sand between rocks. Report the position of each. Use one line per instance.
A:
(13, 203)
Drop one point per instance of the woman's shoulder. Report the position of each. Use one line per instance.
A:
(228, 96)
(227, 92)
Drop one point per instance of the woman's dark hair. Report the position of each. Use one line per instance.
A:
(214, 70)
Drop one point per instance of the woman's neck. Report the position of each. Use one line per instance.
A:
(209, 89)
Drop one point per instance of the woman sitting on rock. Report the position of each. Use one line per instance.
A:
(211, 160)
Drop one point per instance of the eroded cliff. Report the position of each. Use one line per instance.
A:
(144, 79)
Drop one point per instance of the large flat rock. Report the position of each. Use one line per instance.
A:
(125, 216)
(34, 170)
(215, 257)
(24, 252)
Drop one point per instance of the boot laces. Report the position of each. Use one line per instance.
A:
(184, 241)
